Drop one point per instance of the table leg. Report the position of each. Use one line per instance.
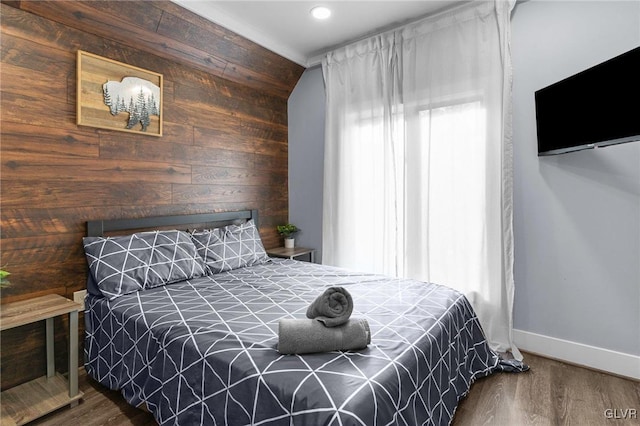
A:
(51, 360)
(73, 353)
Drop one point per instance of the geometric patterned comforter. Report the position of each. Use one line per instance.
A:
(203, 352)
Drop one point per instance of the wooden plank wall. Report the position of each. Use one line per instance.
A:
(224, 145)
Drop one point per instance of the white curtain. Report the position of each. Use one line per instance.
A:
(418, 168)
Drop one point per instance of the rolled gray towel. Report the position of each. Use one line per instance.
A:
(303, 336)
(332, 308)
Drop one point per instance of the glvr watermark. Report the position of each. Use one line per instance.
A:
(621, 413)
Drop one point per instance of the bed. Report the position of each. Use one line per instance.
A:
(202, 350)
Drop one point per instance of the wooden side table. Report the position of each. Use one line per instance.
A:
(292, 253)
(28, 401)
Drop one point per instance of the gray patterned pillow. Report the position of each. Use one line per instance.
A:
(230, 247)
(124, 264)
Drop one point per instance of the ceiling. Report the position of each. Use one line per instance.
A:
(288, 29)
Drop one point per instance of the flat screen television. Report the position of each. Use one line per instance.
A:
(594, 108)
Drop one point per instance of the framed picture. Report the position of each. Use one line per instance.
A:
(117, 96)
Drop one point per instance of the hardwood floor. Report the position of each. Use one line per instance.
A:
(551, 393)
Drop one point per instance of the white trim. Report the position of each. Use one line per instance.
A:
(617, 363)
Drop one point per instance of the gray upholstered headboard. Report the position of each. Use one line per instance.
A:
(97, 228)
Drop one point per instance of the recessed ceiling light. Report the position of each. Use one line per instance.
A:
(320, 12)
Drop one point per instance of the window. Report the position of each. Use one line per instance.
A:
(445, 194)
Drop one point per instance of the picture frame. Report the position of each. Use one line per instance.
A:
(116, 96)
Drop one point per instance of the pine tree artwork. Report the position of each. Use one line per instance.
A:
(133, 95)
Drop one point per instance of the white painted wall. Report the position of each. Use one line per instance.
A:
(306, 158)
(576, 215)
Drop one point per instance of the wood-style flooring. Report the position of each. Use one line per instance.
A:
(551, 393)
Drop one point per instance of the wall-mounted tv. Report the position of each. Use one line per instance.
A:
(594, 108)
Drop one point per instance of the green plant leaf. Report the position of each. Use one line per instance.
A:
(287, 229)
(4, 282)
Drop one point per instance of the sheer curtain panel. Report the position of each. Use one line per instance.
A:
(418, 169)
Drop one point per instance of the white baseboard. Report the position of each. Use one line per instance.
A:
(617, 363)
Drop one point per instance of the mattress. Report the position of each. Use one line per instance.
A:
(203, 351)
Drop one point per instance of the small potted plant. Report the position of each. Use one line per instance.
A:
(4, 282)
(287, 231)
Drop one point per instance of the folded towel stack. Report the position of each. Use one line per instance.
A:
(328, 327)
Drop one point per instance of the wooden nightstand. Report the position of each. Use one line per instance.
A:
(292, 253)
(24, 403)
